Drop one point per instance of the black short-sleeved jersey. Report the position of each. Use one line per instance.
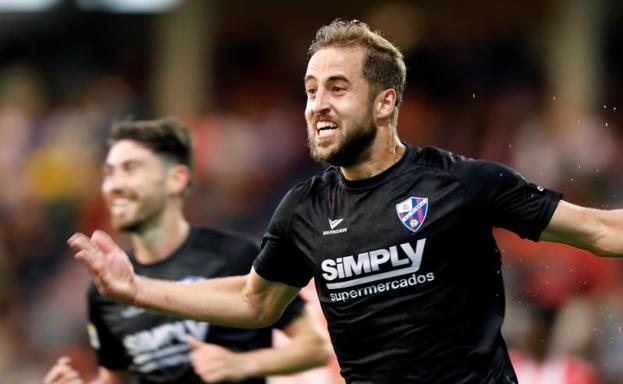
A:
(406, 266)
(152, 346)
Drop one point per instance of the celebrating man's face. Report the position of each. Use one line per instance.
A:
(340, 126)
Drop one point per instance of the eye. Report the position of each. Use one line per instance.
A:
(310, 92)
(131, 166)
(337, 89)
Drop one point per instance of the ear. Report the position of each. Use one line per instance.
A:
(384, 104)
(178, 178)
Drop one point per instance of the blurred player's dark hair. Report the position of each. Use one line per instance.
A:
(168, 137)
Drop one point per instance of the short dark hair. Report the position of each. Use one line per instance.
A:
(383, 66)
(168, 137)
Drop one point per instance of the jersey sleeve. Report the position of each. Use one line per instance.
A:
(279, 259)
(108, 349)
(506, 198)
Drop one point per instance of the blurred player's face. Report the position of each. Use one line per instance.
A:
(340, 126)
(134, 186)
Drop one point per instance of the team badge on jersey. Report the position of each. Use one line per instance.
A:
(412, 212)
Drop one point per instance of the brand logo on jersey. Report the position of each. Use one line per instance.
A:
(164, 345)
(333, 224)
(412, 212)
(131, 311)
(373, 265)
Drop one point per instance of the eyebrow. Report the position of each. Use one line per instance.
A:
(107, 165)
(330, 79)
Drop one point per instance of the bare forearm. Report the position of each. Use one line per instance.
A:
(218, 301)
(287, 359)
(308, 347)
(304, 351)
(597, 231)
(609, 240)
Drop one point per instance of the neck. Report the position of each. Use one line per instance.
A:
(160, 240)
(384, 152)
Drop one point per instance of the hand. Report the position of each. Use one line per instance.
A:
(214, 364)
(63, 373)
(107, 263)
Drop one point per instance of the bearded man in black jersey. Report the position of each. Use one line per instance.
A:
(398, 238)
(147, 173)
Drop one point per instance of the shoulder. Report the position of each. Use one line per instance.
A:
(459, 166)
(440, 158)
(315, 184)
(216, 239)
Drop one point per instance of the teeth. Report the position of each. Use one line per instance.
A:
(121, 202)
(325, 125)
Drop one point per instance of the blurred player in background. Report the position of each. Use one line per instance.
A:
(147, 174)
(398, 238)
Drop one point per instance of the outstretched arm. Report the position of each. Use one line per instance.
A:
(595, 230)
(307, 348)
(241, 301)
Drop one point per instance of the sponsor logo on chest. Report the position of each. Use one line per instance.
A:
(373, 265)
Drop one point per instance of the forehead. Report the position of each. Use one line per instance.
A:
(128, 150)
(336, 61)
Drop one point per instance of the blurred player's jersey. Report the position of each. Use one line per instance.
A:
(152, 346)
(406, 267)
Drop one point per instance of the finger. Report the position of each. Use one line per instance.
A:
(80, 242)
(53, 375)
(86, 259)
(57, 373)
(105, 242)
(193, 343)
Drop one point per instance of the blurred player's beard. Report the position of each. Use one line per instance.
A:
(353, 145)
(146, 215)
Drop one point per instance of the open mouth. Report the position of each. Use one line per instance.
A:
(325, 128)
(120, 205)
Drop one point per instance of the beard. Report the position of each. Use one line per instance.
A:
(353, 146)
(147, 215)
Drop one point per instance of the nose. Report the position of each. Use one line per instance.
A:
(320, 103)
(112, 184)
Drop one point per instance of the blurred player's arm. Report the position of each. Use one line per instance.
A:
(63, 373)
(307, 348)
(248, 301)
(595, 230)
